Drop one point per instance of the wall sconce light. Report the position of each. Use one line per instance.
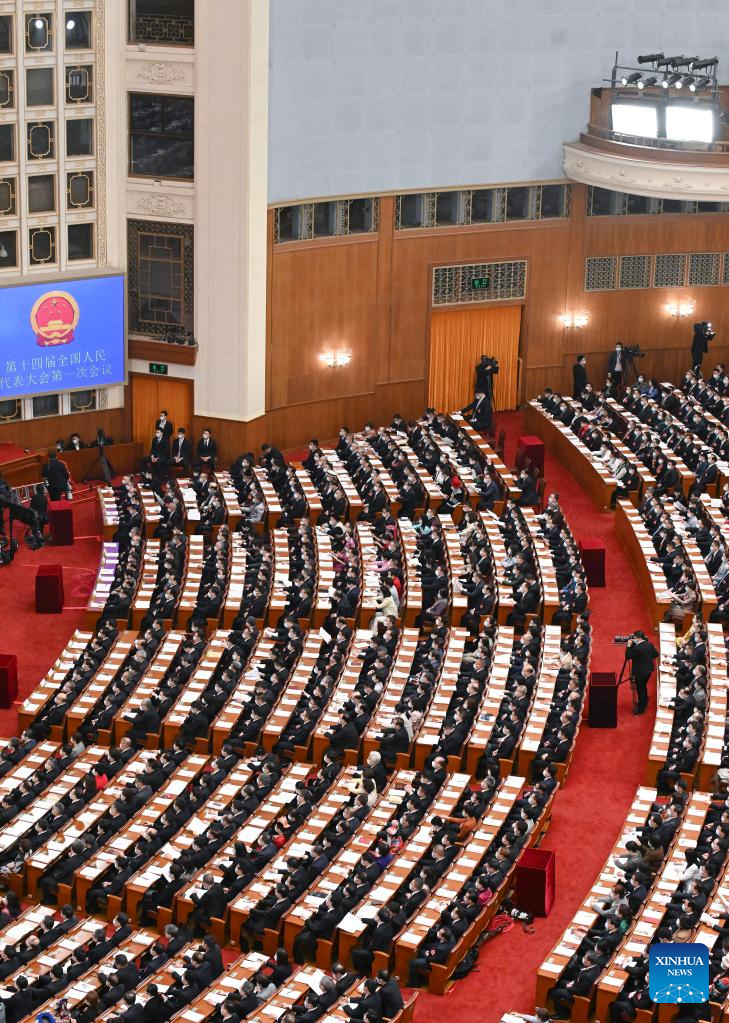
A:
(335, 360)
(680, 309)
(577, 320)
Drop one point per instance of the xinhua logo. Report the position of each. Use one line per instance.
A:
(679, 973)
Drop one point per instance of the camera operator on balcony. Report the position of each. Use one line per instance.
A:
(700, 343)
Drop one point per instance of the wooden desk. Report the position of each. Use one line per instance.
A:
(572, 453)
(123, 458)
(636, 540)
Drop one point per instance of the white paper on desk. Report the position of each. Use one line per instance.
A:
(351, 923)
(194, 1016)
(314, 980)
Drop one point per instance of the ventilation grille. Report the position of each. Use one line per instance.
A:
(600, 273)
(455, 285)
(670, 270)
(666, 270)
(703, 269)
(635, 271)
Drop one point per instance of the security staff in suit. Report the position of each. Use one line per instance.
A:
(159, 453)
(579, 376)
(181, 449)
(56, 477)
(479, 411)
(207, 450)
(642, 656)
(164, 425)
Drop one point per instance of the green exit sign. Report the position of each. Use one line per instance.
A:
(160, 368)
(480, 283)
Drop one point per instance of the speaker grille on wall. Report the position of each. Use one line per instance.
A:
(635, 271)
(479, 282)
(600, 273)
(703, 269)
(670, 270)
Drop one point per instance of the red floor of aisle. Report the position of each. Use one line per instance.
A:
(607, 767)
(38, 639)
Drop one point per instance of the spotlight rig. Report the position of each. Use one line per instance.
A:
(675, 72)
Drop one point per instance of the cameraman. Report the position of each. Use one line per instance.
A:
(486, 370)
(700, 343)
(642, 655)
(616, 366)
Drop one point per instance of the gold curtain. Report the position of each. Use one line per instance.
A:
(458, 339)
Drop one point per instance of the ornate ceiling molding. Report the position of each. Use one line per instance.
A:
(642, 177)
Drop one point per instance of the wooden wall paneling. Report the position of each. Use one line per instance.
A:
(324, 297)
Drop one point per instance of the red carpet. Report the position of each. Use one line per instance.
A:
(588, 812)
(38, 639)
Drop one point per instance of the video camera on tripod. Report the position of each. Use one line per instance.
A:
(633, 352)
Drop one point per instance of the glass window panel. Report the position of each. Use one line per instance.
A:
(79, 85)
(46, 405)
(361, 213)
(42, 243)
(8, 249)
(79, 137)
(7, 89)
(411, 211)
(161, 298)
(7, 143)
(39, 32)
(42, 194)
(672, 205)
(553, 197)
(6, 33)
(39, 86)
(10, 409)
(78, 30)
(7, 197)
(517, 203)
(480, 206)
(325, 219)
(288, 224)
(638, 204)
(162, 136)
(446, 208)
(80, 189)
(83, 401)
(601, 202)
(80, 241)
(41, 141)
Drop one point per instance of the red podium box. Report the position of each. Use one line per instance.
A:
(535, 883)
(603, 692)
(49, 589)
(8, 680)
(60, 523)
(592, 553)
(533, 449)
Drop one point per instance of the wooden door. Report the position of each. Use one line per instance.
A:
(458, 339)
(150, 395)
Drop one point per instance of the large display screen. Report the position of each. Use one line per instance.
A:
(61, 336)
